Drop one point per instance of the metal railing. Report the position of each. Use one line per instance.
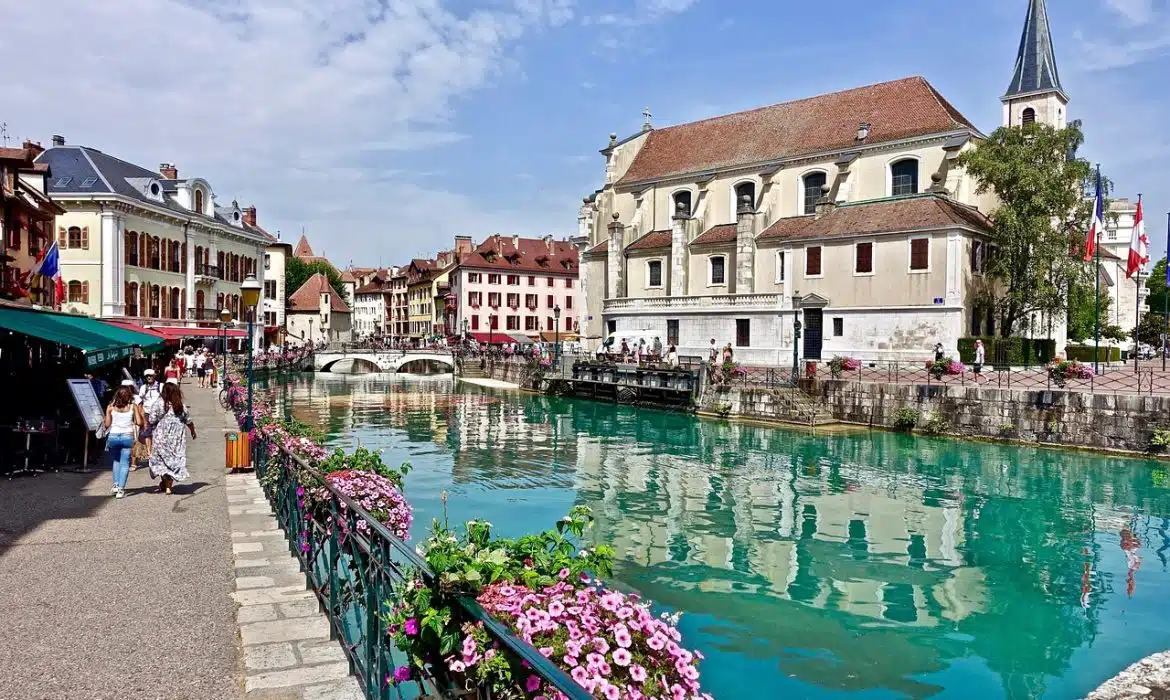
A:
(352, 571)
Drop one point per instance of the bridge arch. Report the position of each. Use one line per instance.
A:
(413, 362)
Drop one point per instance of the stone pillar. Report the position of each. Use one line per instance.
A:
(745, 247)
(680, 254)
(581, 243)
(617, 260)
(113, 266)
(190, 281)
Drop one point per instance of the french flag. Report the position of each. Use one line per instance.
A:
(1098, 224)
(1139, 244)
(49, 265)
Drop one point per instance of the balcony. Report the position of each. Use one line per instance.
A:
(207, 274)
(718, 302)
(203, 315)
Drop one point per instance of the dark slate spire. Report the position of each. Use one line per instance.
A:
(1036, 63)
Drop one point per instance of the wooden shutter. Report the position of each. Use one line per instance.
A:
(183, 303)
(920, 254)
(812, 261)
(183, 264)
(864, 260)
(85, 238)
(126, 247)
(85, 292)
(62, 237)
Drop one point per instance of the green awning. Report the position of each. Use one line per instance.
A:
(100, 342)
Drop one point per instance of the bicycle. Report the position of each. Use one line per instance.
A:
(223, 394)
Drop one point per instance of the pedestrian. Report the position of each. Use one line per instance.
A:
(657, 348)
(713, 353)
(170, 422)
(980, 358)
(181, 365)
(672, 356)
(121, 419)
(938, 352)
(638, 352)
(201, 368)
(625, 350)
(172, 370)
(728, 354)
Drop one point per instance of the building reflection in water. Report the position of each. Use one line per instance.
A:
(852, 561)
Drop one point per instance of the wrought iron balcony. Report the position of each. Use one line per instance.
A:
(207, 274)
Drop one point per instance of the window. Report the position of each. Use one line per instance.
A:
(88, 183)
(550, 323)
(568, 283)
(78, 292)
(838, 327)
(552, 282)
(474, 298)
(493, 278)
(531, 301)
(991, 322)
(199, 201)
(472, 277)
(513, 323)
(654, 274)
(531, 280)
(681, 203)
(1028, 117)
(743, 332)
(976, 322)
(920, 254)
(475, 323)
(863, 258)
(75, 239)
(812, 188)
(132, 299)
(568, 302)
(904, 177)
(812, 261)
(513, 280)
(269, 289)
(716, 270)
(514, 301)
(977, 257)
(494, 300)
(530, 323)
(267, 259)
(551, 301)
(14, 235)
(154, 301)
(781, 261)
(744, 189)
(269, 318)
(495, 323)
(672, 331)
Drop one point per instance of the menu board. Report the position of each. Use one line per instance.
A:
(87, 403)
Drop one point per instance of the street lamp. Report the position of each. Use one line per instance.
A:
(557, 336)
(225, 317)
(795, 336)
(491, 328)
(466, 323)
(250, 292)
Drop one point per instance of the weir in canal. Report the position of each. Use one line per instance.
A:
(872, 564)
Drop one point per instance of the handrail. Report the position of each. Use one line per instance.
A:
(380, 534)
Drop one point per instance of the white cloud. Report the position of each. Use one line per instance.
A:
(298, 106)
(1123, 46)
(1136, 12)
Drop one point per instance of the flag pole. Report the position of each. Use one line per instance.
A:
(1097, 287)
(1137, 307)
(1166, 296)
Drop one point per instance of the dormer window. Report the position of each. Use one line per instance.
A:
(154, 189)
(681, 202)
(812, 185)
(744, 189)
(904, 177)
(199, 201)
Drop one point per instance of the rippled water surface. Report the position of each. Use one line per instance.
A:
(808, 566)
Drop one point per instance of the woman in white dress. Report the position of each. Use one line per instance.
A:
(170, 421)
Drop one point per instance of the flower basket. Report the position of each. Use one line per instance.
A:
(1061, 370)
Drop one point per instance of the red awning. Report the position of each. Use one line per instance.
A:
(496, 337)
(177, 332)
(134, 327)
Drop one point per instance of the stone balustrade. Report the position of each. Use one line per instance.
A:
(761, 302)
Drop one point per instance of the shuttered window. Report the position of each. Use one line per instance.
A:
(920, 254)
(812, 261)
(743, 332)
(863, 258)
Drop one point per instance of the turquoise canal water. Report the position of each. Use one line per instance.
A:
(868, 565)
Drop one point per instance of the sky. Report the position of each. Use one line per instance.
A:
(383, 128)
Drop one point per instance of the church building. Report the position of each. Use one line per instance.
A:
(844, 211)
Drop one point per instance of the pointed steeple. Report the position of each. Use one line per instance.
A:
(303, 250)
(1035, 71)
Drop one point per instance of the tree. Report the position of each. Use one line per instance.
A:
(1156, 283)
(1037, 231)
(297, 272)
(1150, 328)
(1083, 312)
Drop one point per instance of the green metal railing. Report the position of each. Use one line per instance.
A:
(353, 566)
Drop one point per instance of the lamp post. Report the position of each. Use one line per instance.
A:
(466, 323)
(557, 333)
(225, 317)
(795, 336)
(250, 292)
(491, 329)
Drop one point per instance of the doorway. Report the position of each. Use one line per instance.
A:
(814, 320)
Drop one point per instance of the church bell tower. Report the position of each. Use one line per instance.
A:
(1035, 93)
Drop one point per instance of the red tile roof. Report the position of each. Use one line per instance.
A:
(895, 110)
(602, 247)
(651, 241)
(508, 253)
(915, 213)
(722, 233)
(303, 249)
(347, 276)
(308, 297)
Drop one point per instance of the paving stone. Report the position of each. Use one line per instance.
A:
(265, 657)
(243, 582)
(300, 608)
(245, 547)
(301, 675)
(284, 630)
(256, 613)
(271, 595)
(319, 652)
(347, 689)
(251, 563)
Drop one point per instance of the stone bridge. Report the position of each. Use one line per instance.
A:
(384, 360)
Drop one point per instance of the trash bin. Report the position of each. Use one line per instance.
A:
(237, 451)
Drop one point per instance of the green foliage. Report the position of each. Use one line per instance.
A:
(936, 424)
(1084, 309)
(1039, 180)
(1156, 283)
(1160, 440)
(1009, 352)
(1084, 353)
(1007, 430)
(1151, 327)
(297, 272)
(905, 419)
(723, 409)
(364, 460)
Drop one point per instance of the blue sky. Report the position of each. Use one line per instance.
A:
(385, 127)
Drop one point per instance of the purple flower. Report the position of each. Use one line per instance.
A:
(402, 673)
(411, 627)
(533, 684)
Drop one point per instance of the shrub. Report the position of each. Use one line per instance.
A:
(1160, 440)
(905, 419)
(839, 365)
(1007, 429)
(1062, 370)
(1085, 353)
(936, 424)
(946, 366)
(1009, 351)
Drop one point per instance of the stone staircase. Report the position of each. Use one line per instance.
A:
(470, 369)
(802, 408)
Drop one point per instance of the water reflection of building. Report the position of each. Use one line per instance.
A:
(528, 443)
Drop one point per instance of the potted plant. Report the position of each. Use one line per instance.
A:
(839, 365)
(1061, 370)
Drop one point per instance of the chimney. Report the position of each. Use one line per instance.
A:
(250, 216)
(168, 171)
(34, 147)
(516, 242)
(745, 246)
(58, 140)
(824, 204)
(463, 245)
(548, 242)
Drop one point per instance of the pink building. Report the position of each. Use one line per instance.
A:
(512, 286)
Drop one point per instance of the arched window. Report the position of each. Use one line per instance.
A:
(1028, 117)
(199, 260)
(744, 189)
(812, 185)
(154, 301)
(199, 201)
(77, 291)
(75, 237)
(219, 302)
(222, 273)
(683, 198)
(904, 177)
(174, 306)
(132, 299)
(200, 300)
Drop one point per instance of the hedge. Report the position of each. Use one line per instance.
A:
(1009, 351)
(1084, 353)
